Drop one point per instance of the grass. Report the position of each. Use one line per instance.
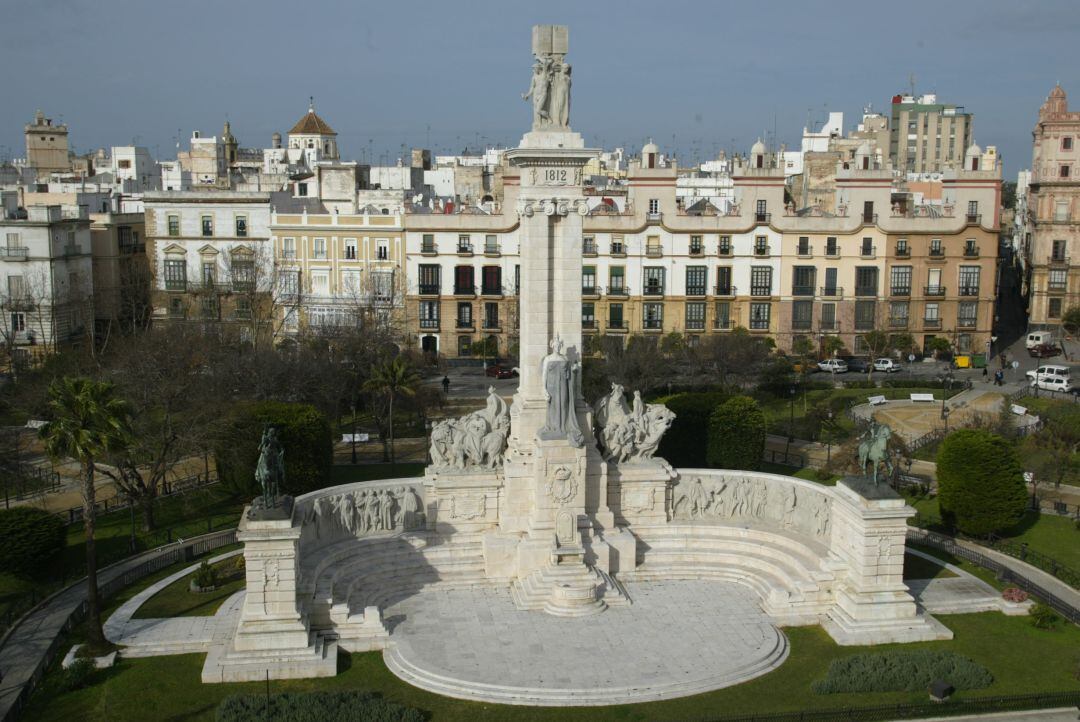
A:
(972, 569)
(799, 472)
(915, 567)
(177, 599)
(1023, 660)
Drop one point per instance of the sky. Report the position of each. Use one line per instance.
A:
(696, 77)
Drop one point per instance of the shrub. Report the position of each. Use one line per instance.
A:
(777, 377)
(980, 482)
(898, 671)
(1042, 616)
(77, 676)
(736, 434)
(349, 706)
(1016, 595)
(860, 384)
(33, 540)
(305, 436)
(205, 576)
(685, 442)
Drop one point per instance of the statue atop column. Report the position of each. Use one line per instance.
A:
(270, 471)
(549, 88)
(560, 388)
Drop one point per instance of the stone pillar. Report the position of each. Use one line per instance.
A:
(873, 605)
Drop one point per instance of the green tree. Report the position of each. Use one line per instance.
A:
(737, 434)
(831, 346)
(33, 539)
(86, 422)
(685, 442)
(980, 482)
(1070, 320)
(938, 345)
(877, 345)
(390, 380)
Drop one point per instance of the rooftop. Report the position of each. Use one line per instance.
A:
(312, 124)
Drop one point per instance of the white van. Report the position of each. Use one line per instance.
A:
(1049, 371)
(1038, 338)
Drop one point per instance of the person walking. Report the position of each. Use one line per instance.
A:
(986, 375)
(446, 385)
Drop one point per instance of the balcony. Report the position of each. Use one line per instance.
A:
(429, 323)
(931, 323)
(428, 249)
(761, 251)
(802, 324)
(242, 314)
(176, 284)
(619, 291)
(465, 324)
(804, 251)
(723, 251)
(492, 324)
(464, 249)
(832, 251)
(969, 290)
(866, 291)
(464, 290)
(802, 290)
(974, 218)
(763, 218)
(832, 292)
(898, 323)
(492, 250)
(828, 324)
(725, 290)
(590, 291)
(14, 253)
(722, 324)
(654, 216)
(616, 324)
(937, 253)
(588, 248)
(618, 250)
(1052, 287)
(491, 291)
(654, 251)
(697, 251)
(869, 219)
(904, 252)
(900, 291)
(966, 322)
(588, 323)
(971, 251)
(868, 251)
(933, 290)
(430, 289)
(761, 291)
(759, 324)
(695, 290)
(653, 324)
(1055, 259)
(653, 291)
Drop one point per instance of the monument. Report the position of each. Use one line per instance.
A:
(554, 516)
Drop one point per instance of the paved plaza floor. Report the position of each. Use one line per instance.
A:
(677, 638)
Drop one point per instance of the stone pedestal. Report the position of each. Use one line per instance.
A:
(873, 605)
(463, 502)
(273, 636)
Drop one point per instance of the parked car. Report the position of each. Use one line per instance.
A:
(1062, 384)
(1045, 350)
(858, 365)
(887, 365)
(1039, 338)
(833, 365)
(499, 371)
(1049, 371)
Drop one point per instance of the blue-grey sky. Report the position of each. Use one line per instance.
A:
(695, 76)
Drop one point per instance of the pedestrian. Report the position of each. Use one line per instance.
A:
(446, 385)
(986, 375)
(1001, 358)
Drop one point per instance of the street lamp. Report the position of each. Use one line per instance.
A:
(791, 426)
(828, 442)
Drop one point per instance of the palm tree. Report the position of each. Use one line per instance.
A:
(87, 421)
(391, 378)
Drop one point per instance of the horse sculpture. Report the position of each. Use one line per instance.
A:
(874, 449)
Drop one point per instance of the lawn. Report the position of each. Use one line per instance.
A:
(915, 567)
(804, 472)
(177, 599)
(1023, 659)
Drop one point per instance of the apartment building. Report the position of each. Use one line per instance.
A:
(120, 273)
(1052, 237)
(926, 136)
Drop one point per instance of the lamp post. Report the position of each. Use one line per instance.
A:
(791, 425)
(352, 436)
(828, 442)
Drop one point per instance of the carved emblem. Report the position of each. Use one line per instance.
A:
(562, 487)
(468, 507)
(639, 499)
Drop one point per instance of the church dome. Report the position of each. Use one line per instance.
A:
(650, 147)
(757, 148)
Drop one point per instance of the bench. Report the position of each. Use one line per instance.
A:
(922, 397)
(876, 400)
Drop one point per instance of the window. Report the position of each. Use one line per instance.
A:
(290, 283)
(318, 248)
(350, 249)
(654, 281)
(936, 248)
(931, 312)
(429, 314)
(802, 315)
(618, 248)
(696, 246)
(761, 246)
(427, 243)
(1066, 143)
(174, 225)
(902, 247)
(900, 281)
(868, 212)
(1064, 171)
(867, 248)
(382, 249)
(654, 316)
(761, 214)
(973, 210)
(320, 283)
(831, 248)
(898, 314)
(760, 281)
(1057, 252)
(616, 280)
(243, 275)
(696, 280)
(830, 288)
(241, 226)
(350, 281)
(653, 247)
(491, 280)
(803, 249)
(695, 316)
(16, 287)
(969, 280)
(759, 316)
(866, 281)
(464, 243)
(207, 225)
(803, 279)
(724, 247)
(963, 342)
(491, 244)
(175, 275)
(1053, 308)
(382, 286)
(491, 315)
(967, 314)
(209, 307)
(723, 315)
(1061, 211)
(464, 345)
(723, 281)
(1058, 280)
(429, 279)
(588, 246)
(615, 315)
(588, 315)
(654, 206)
(288, 247)
(828, 316)
(970, 249)
(463, 281)
(865, 312)
(301, 189)
(464, 315)
(588, 280)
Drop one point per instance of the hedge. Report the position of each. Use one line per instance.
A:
(902, 671)
(33, 540)
(685, 443)
(305, 435)
(980, 482)
(349, 706)
(737, 432)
